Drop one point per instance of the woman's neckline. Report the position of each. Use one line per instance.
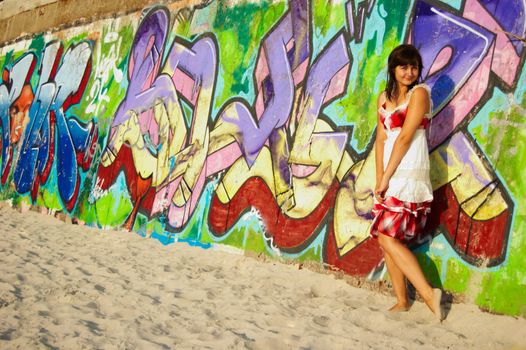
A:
(406, 100)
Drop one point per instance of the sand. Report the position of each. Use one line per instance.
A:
(72, 287)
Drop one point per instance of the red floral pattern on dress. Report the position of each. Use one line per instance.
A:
(397, 117)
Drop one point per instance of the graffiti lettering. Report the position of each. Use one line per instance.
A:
(36, 119)
(250, 141)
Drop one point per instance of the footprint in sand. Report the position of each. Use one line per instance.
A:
(93, 327)
(112, 270)
(9, 334)
(219, 274)
(7, 299)
(211, 294)
(321, 320)
(71, 290)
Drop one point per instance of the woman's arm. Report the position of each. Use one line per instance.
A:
(379, 144)
(416, 110)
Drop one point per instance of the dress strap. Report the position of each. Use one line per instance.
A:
(383, 98)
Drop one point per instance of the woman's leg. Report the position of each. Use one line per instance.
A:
(399, 285)
(407, 263)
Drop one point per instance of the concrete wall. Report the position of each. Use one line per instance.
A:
(9, 8)
(23, 18)
(251, 126)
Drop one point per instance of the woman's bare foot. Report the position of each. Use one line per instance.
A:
(434, 304)
(398, 307)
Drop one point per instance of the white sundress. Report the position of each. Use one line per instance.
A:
(408, 198)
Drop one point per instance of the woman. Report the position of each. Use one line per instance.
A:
(403, 192)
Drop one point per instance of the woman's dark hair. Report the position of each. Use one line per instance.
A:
(402, 55)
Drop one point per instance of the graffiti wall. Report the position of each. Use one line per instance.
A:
(251, 126)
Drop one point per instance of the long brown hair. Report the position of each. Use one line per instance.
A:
(401, 55)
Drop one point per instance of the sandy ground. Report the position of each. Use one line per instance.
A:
(71, 287)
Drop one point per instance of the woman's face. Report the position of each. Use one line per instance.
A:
(407, 74)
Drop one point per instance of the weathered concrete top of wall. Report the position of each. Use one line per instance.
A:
(19, 19)
(9, 8)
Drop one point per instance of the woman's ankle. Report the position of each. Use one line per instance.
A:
(427, 295)
(399, 306)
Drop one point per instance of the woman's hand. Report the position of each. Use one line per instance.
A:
(381, 188)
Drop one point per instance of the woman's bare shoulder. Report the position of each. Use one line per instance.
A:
(421, 89)
(420, 93)
(421, 97)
